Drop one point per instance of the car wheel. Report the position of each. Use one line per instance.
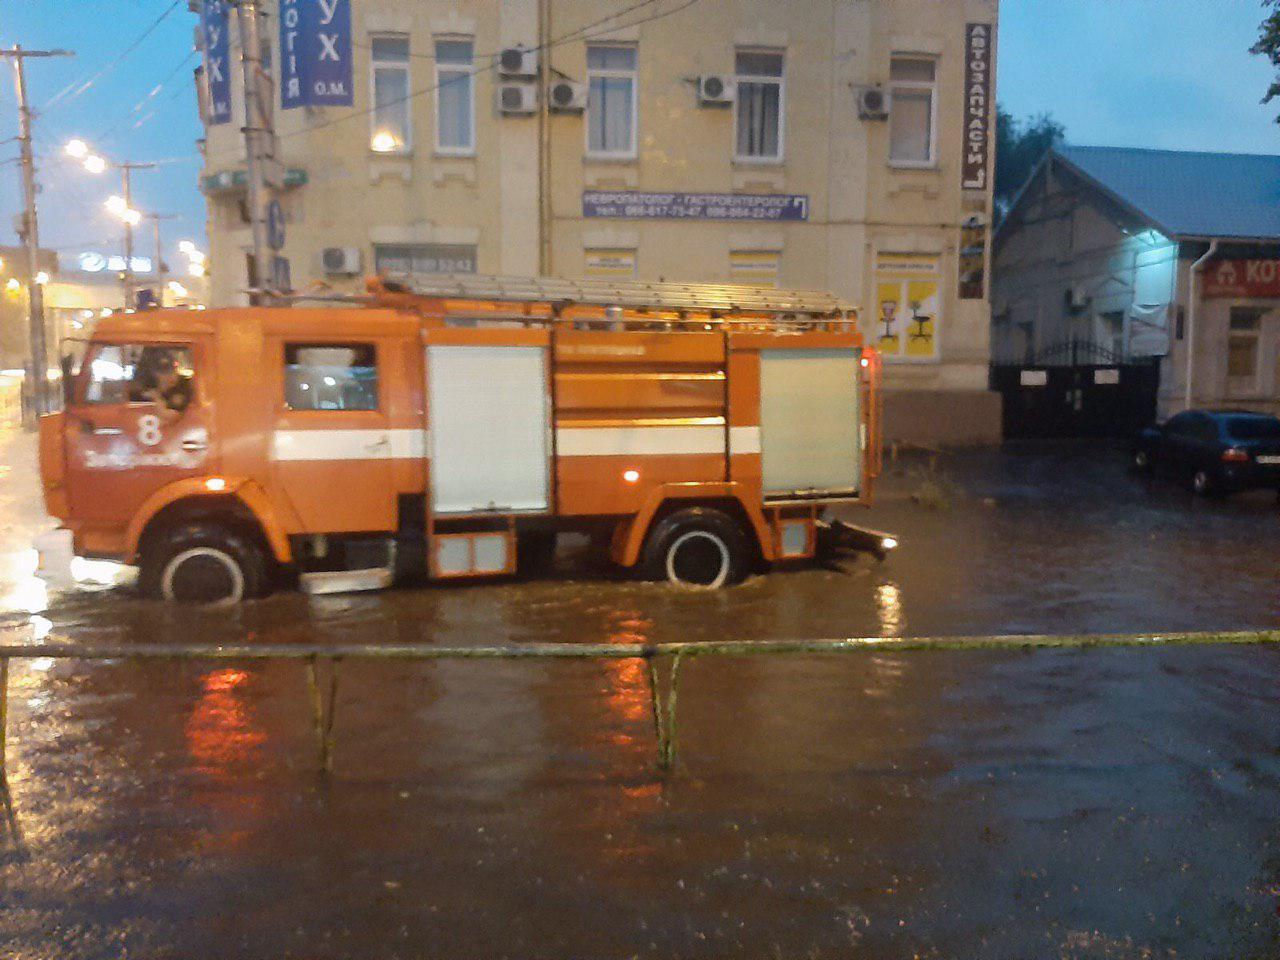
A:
(1141, 461)
(698, 549)
(204, 564)
(1202, 483)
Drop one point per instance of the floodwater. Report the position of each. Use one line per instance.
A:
(1117, 803)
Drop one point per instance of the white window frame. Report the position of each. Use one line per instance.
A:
(931, 86)
(781, 81)
(615, 74)
(374, 63)
(444, 151)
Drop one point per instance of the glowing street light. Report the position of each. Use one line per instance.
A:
(116, 205)
(384, 142)
(76, 148)
(13, 284)
(94, 163)
(42, 278)
(131, 217)
(187, 247)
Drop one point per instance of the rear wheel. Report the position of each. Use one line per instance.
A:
(699, 549)
(204, 564)
(1203, 484)
(1141, 461)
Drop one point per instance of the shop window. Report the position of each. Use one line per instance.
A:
(756, 267)
(611, 263)
(907, 320)
(758, 105)
(912, 112)
(389, 71)
(1242, 343)
(611, 101)
(455, 97)
(330, 376)
(424, 258)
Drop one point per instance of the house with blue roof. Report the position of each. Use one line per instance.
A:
(1128, 256)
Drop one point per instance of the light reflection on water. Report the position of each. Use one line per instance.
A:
(889, 609)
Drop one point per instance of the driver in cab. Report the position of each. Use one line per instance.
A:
(163, 382)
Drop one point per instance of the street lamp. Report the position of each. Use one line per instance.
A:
(122, 207)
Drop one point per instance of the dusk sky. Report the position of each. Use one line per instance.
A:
(1163, 73)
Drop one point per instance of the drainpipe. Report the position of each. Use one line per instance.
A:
(1193, 301)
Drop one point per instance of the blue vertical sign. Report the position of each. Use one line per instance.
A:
(217, 59)
(315, 53)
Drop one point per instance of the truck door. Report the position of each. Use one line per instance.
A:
(138, 419)
(332, 447)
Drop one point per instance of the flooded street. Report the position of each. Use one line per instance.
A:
(1093, 803)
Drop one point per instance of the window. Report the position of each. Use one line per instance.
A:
(1242, 343)
(908, 306)
(758, 105)
(390, 72)
(611, 262)
(755, 267)
(913, 98)
(455, 97)
(131, 373)
(424, 258)
(330, 376)
(611, 101)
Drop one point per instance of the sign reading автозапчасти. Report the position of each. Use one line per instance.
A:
(633, 205)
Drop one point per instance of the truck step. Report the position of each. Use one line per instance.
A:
(346, 581)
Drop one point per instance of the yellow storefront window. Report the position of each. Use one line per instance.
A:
(907, 306)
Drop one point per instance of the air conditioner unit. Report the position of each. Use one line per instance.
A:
(340, 261)
(714, 89)
(517, 99)
(518, 62)
(873, 103)
(565, 96)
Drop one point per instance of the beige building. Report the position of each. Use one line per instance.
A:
(829, 144)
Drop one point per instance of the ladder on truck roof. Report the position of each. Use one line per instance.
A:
(715, 300)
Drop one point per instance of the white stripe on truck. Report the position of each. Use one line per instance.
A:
(348, 445)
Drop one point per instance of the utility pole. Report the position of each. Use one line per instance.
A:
(37, 371)
(259, 142)
(126, 184)
(160, 267)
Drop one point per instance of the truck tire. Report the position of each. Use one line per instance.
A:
(201, 563)
(699, 548)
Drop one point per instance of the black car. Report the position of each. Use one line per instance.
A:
(1216, 451)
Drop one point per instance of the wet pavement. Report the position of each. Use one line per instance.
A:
(1063, 803)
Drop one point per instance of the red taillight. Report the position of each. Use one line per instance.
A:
(1234, 455)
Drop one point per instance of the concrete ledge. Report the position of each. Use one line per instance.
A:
(946, 417)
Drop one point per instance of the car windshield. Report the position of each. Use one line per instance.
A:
(1253, 428)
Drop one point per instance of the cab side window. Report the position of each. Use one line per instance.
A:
(330, 376)
(135, 373)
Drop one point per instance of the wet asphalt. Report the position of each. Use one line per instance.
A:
(1063, 803)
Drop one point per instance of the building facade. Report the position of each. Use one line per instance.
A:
(1127, 255)
(717, 141)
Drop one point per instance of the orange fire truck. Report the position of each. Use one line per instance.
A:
(451, 427)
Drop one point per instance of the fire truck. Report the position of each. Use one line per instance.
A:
(451, 427)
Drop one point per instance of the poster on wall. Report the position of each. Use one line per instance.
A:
(973, 256)
(907, 317)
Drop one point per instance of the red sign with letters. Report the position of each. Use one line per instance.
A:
(1241, 278)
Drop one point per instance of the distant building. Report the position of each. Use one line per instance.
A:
(815, 145)
(1094, 263)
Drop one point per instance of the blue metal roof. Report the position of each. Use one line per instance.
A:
(1188, 194)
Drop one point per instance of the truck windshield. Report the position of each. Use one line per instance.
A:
(1253, 428)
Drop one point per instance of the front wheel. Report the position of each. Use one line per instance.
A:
(204, 564)
(1203, 484)
(1141, 461)
(699, 549)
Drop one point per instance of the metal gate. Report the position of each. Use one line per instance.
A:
(1094, 394)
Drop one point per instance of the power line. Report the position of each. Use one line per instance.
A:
(114, 128)
(72, 91)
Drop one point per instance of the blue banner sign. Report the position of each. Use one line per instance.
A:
(633, 205)
(217, 59)
(315, 53)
